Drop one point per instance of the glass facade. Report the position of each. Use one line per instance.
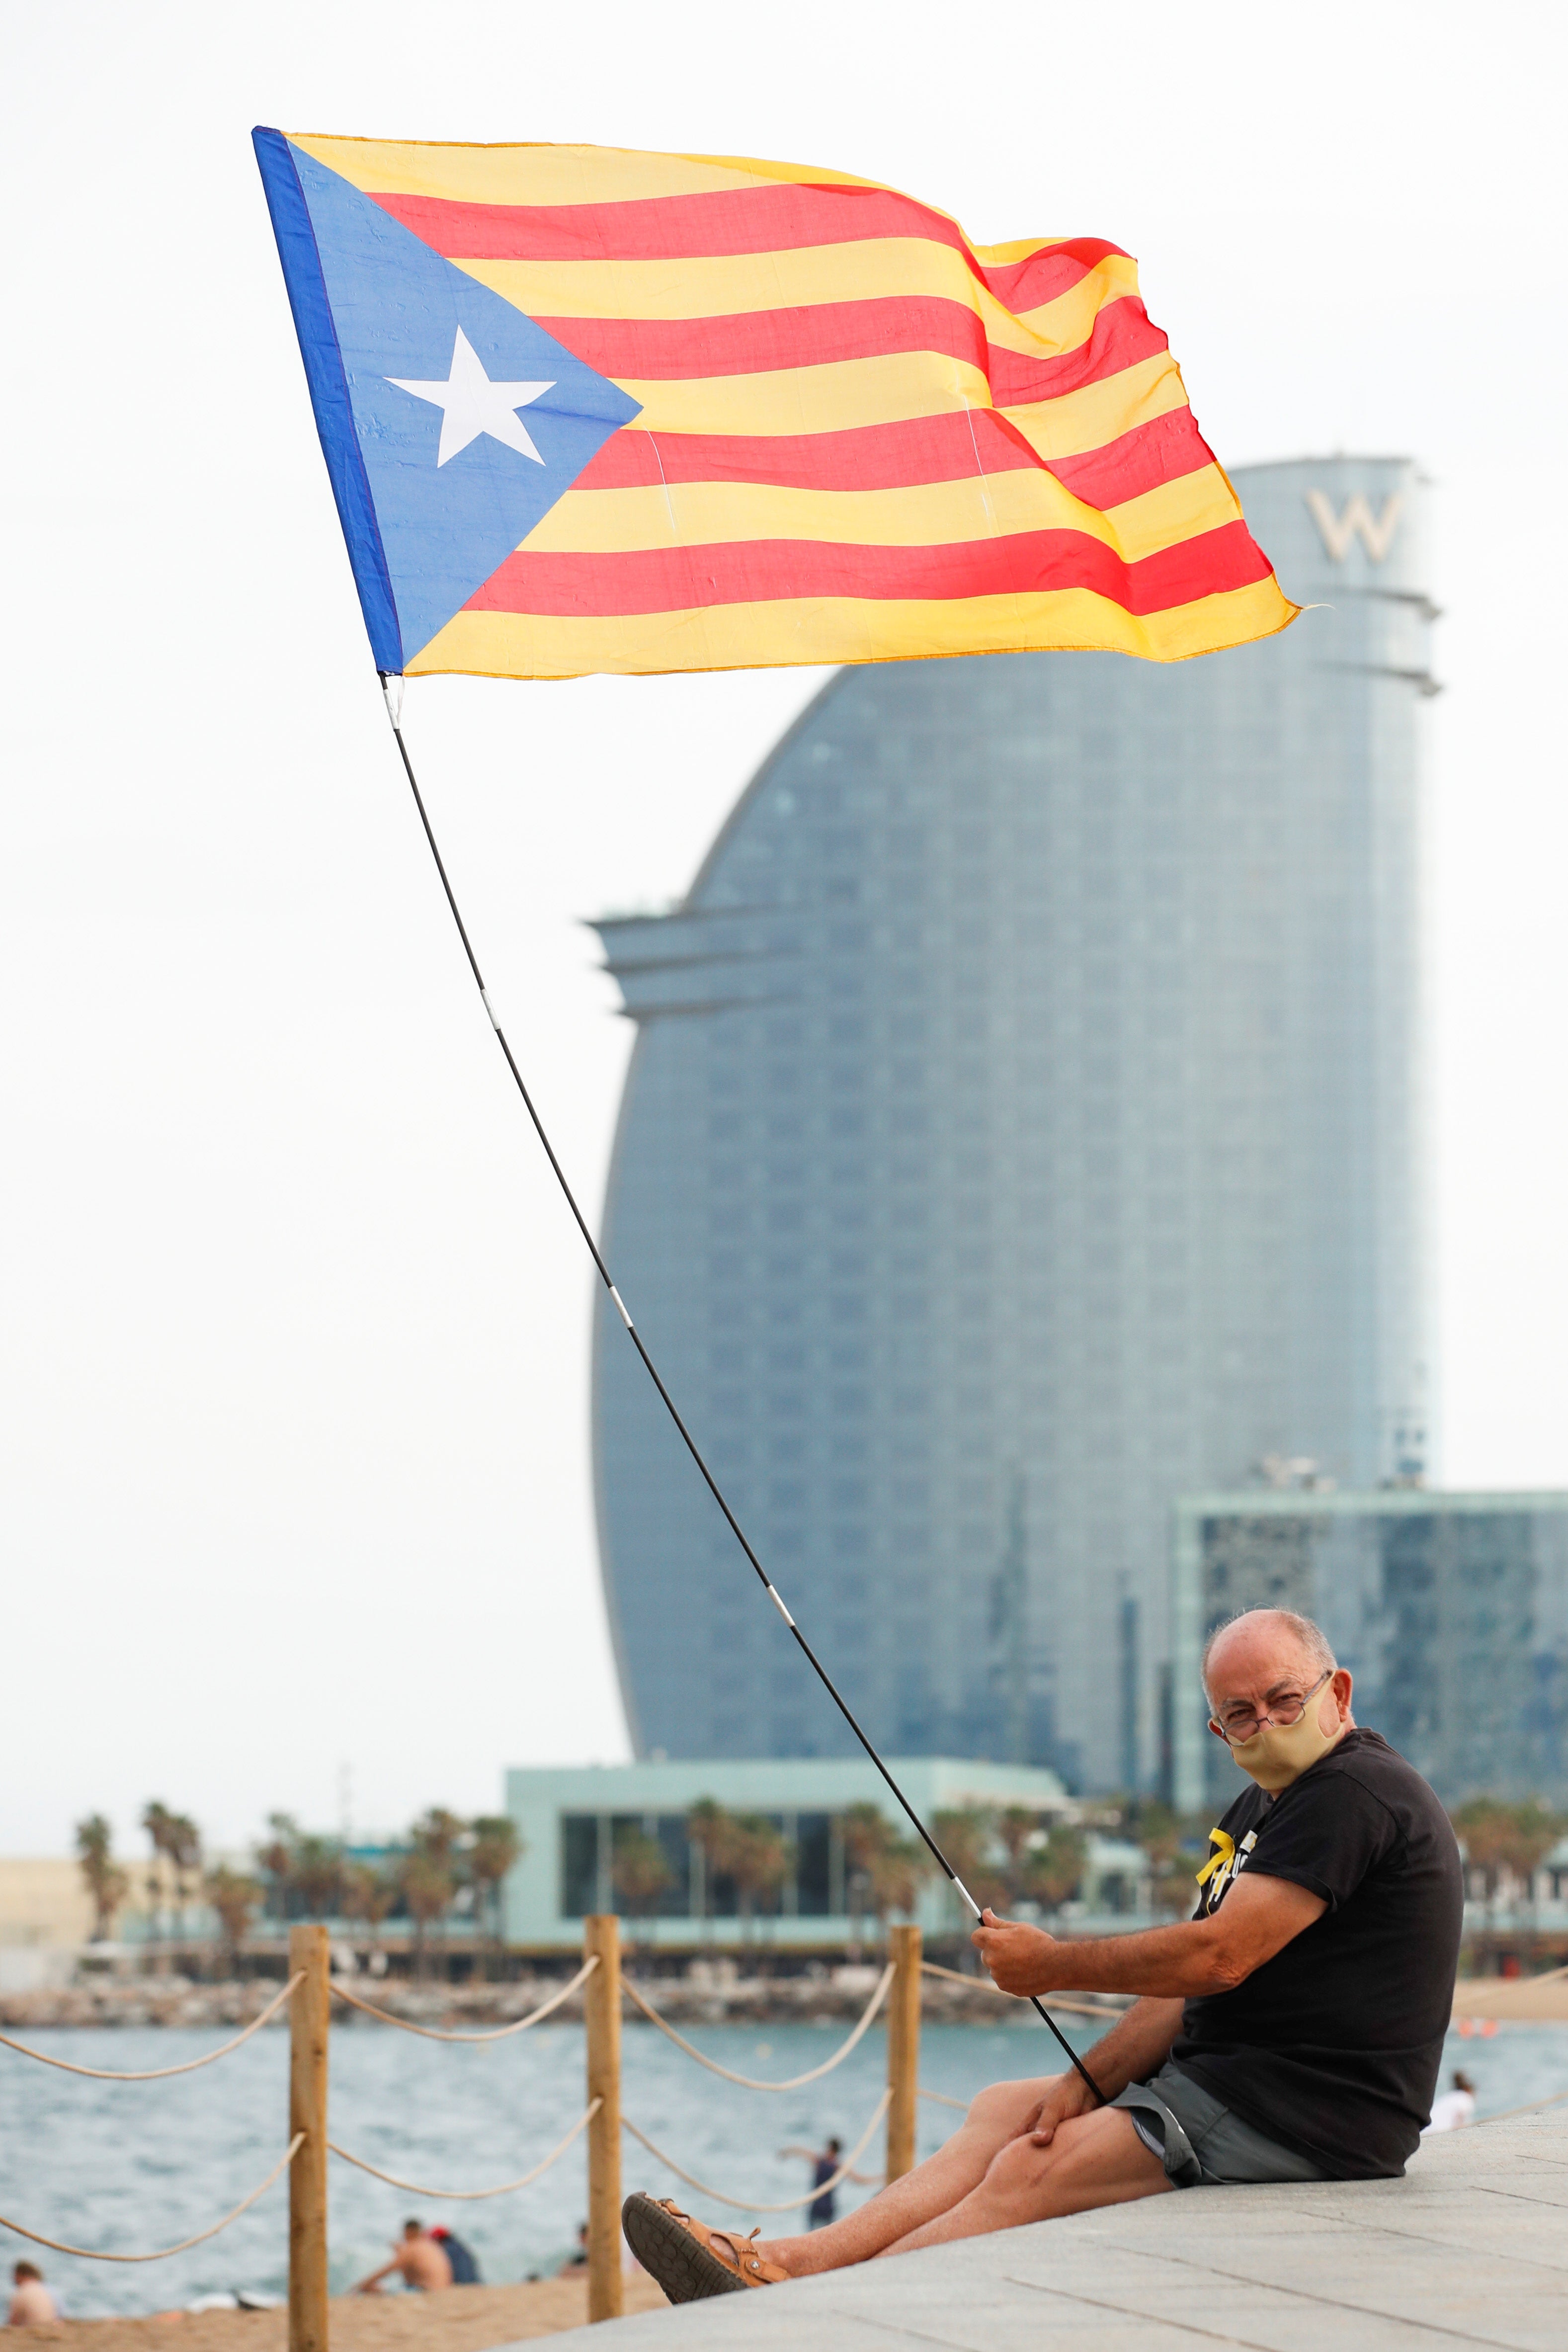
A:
(1450, 1610)
(1021, 1131)
(814, 1886)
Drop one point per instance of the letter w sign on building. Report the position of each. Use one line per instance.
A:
(1338, 531)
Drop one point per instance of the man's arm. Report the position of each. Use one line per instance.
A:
(1259, 1917)
(368, 2285)
(1137, 2046)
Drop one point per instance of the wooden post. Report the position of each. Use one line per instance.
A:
(309, 1951)
(903, 2048)
(601, 2014)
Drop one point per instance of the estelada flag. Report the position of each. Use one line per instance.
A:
(587, 409)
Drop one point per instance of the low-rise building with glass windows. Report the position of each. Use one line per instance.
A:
(577, 1822)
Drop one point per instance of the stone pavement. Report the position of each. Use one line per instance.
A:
(1471, 2248)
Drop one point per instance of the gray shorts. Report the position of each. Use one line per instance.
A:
(1200, 2143)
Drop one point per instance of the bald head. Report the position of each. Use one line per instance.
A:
(1264, 1646)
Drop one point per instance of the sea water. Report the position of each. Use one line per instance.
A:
(129, 2166)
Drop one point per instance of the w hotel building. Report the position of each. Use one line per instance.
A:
(1022, 1133)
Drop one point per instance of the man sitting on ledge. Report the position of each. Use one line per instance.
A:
(1291, 2030)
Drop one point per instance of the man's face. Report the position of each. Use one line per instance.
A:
(1258, 1668)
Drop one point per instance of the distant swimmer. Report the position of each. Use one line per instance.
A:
(1455, 2108)
(419, 2260)
(824, 2164)
(1291, 2030)
(32, 2306)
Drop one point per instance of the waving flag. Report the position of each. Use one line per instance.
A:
(585, 409)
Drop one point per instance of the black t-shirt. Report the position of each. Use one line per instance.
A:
(1332, 2047)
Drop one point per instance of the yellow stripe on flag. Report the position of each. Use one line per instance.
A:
(928, 514)
(1176, 510)
(1079, 421)
(520, 175)
(828, 399)
(840, 629)
(738, 285)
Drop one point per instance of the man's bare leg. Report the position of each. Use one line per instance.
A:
(1096, 2159)
(945, 2180)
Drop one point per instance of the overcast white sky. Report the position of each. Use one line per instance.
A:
(293, 1387)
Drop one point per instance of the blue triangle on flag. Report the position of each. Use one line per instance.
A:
(372, 303)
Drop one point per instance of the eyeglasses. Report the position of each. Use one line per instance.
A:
(1282, 1713)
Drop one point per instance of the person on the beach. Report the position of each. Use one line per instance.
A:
(419, 2260)
(32, 2306)
(1291, 2029)
(823, 2168)
(824, 2163)
(1455, 2108)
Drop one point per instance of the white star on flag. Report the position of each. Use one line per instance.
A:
(472, 404)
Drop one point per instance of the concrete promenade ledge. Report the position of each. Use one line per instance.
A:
(1471, 2248)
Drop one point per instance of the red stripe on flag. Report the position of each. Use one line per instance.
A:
(901, 457)
(1162, 450)
(767, 219)
(678, 579)
(754, 342)
(860, 458)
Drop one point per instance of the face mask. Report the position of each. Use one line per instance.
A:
(1274, 1757)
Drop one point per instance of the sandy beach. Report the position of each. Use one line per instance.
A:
(463, 2319)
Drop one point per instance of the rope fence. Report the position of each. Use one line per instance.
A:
(160, 2074)
(749, 2082)
(791, 2204)
(468, 2196)
(162, 2253)
(495, 2033)
(308, 1995)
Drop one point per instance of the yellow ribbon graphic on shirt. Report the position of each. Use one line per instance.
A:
(1219, 1860)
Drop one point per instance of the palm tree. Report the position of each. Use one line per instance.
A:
(184, 1848)
(1015, 1826)
(897, 1875)
(867, 1834)
(967, 1836)
(159, 1822)
(106, 1882)
(316, 1875)
(439, 1835)
(639, 1871)
(235, 1896)
(304, 1870)
(1055, 1872)
(276, 1858)
(1161, 1830)
(427, 1890)
(760, 1862)
(369, 1895)
(711, 1829)
(438, 1839)
(497, 1843)
(1503, 1840)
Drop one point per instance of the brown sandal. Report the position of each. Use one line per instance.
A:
(688, 2260)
